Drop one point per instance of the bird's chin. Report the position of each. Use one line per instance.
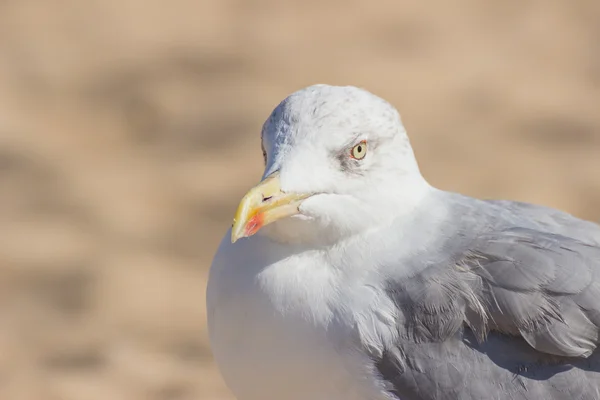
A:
(302, 217)
(297, 229)
(315, 224)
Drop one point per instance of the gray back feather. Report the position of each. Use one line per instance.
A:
(518, 283)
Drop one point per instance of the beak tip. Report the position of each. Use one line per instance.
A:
(237, 233)
(235, 236)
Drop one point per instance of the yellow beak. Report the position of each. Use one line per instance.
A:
(263, 204)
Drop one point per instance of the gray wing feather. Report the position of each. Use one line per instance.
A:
(526, 290)
(531, 282)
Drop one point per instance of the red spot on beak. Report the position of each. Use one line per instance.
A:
(254, 224)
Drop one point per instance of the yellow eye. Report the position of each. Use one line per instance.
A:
(359, 151)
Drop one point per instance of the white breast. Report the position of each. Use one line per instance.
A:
(275, 335)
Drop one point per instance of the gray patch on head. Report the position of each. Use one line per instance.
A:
(320, 103)
(322, 109)
(347, 163)
(352, 165)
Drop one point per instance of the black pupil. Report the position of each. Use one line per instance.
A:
(359, 149)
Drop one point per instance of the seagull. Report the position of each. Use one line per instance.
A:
(347, 276)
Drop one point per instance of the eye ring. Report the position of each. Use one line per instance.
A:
(359, 151)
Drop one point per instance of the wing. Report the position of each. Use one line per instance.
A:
(544, 287)
(526, 297)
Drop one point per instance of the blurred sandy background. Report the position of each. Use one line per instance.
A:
(129, 130)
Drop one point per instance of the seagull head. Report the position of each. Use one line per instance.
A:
(337, 163)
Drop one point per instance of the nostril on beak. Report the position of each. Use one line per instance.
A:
(265, 199)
